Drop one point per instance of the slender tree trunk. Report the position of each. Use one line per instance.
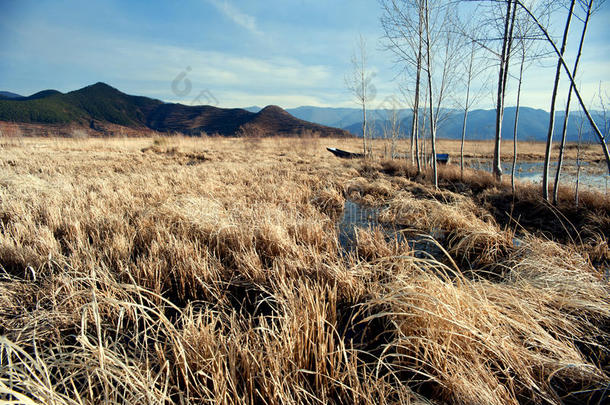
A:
(463, 138)
(549, 135)
(429, 73)
(422, 134)
(415, 129)
(417, 147)
(364, 150)
(415, 123)
(443, 85)
(395, 133)
(412, 149)
(578, 163)
(567, 115)
(363, 95)
(422, 137)
(497, 164)
(508, 53)
(466, 107)
(512, 172)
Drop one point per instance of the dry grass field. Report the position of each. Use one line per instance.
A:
(208, 270)
(526, 151)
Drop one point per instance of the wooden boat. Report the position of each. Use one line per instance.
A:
(344, 154)
(441, 158)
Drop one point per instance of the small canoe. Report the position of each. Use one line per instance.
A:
(344, 154)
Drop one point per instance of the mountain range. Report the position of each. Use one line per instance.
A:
(480, 125)
(97, 105)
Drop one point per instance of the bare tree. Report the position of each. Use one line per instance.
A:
(440, 52)
(423, 125)
(520, 81)
(526, 39)
(414, 123)
(492, 27)
(473, 95)
(507, 40)
(389, 114)
(441, 45)
(414, 132)
(549, 136)
(417, 31)
(431, 103)
(601, 136)
(359, 83)
(467, 103)
(394, 128)
(588, 11)
(403, 25)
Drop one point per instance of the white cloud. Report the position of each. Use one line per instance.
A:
(238, 17)
(145, 68)
(224, 70)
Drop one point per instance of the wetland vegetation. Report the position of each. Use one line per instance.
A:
(211, 270)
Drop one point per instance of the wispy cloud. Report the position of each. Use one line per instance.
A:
(147, 68)
(237, 16)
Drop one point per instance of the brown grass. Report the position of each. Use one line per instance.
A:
(208, 270)
(480, 150)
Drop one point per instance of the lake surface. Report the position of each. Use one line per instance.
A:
(590, 176)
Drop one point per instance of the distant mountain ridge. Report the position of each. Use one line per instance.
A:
(533, 123)
(100, 104)
(5, 95)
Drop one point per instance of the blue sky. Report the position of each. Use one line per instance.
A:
(233, 53)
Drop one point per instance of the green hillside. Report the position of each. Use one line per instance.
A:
(49, 110)
(98, 101)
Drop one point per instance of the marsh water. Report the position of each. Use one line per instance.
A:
(590, 175)
(358, 216)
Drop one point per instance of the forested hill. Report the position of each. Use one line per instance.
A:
(100, 103)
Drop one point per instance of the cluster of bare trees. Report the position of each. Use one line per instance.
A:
(417, 32)
(504, 32)
(390, 116)
(587, 9)
(442, 47)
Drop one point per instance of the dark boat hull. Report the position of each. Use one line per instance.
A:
(344, 154)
